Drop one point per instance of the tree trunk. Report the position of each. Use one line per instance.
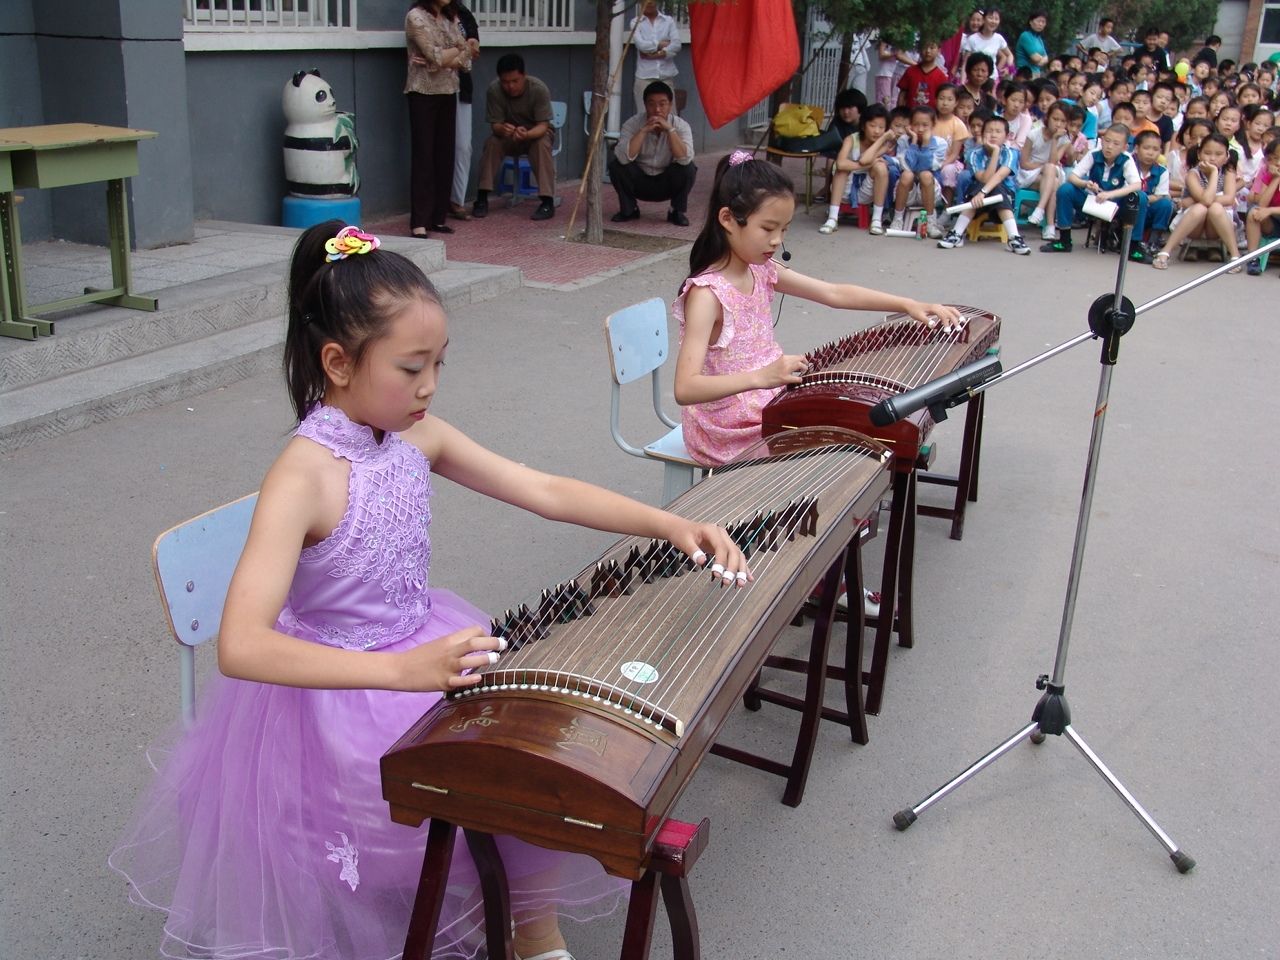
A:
(846, 54)
(594, 218)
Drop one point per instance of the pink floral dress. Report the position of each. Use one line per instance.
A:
(717, 431)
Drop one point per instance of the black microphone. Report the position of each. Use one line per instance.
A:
(786, 255)
(947, 391)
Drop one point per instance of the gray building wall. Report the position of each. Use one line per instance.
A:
(118, 63)
(219, 118)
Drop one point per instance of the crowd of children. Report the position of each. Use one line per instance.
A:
(1189, 145)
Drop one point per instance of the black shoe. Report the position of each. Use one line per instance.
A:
(1138, 254)
(1056, 246)
(546, 210)
(623, 217)
(442, 228)
(480, 209)
(678, 218)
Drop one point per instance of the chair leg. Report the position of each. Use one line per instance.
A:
(676, 479)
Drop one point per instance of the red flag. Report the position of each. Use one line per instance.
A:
(743, 50)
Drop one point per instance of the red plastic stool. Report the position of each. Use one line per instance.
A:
(675, 851)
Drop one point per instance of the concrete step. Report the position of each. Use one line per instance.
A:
(121, 384)
(92, 336)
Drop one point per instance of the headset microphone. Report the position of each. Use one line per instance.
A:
(786, 255)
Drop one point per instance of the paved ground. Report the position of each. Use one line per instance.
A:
(1172, 671)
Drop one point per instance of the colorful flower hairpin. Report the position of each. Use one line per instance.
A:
(739, 157)
(348, 241)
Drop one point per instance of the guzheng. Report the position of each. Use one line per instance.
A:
(849, 376)
(615, 684)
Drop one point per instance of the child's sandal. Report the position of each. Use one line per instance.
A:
(1161, 260)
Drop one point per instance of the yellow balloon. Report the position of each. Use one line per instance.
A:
(1182, 70)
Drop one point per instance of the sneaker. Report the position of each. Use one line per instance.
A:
(876, 229)
(1037, 217)
(934, 229)
(1019, 246)
(546, 210)
(829, 227)
(1049, 232)
(1138, 254)
(1254, 269)
(899, 222)
(951, 241)
(1056, 246)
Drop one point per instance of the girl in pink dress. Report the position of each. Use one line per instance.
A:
(265, 834)
(730, 365)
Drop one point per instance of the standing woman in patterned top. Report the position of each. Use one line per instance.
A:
(437, 52)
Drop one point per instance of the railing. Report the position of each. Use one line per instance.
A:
(270, 14)
(523, 14)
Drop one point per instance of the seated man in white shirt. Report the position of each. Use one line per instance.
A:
(653, 159)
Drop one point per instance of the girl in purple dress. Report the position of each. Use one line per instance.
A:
(265, 834)
(730, 365)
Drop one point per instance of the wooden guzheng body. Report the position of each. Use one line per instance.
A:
(612, 690)
(848, 377)
(845, 380)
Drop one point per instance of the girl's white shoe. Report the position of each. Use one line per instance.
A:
(549, 955)
(828, 227)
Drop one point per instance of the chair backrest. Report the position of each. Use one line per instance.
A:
(637, 339)
(559, 114)
(193, 565)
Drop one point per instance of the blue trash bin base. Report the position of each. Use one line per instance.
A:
(303, 212)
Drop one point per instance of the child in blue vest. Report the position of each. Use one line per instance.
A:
(994, 168)
(1155, 184)
(1107, 173)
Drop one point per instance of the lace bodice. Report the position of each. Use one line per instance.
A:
(365, 585)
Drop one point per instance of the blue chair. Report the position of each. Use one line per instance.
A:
(193, 566)
(1024, 196)
(637, 342)
(515, 177)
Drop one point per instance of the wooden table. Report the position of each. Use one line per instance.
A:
(63, 155)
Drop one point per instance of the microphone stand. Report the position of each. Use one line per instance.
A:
(1111, 316)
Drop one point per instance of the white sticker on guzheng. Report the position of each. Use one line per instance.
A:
(639, 672)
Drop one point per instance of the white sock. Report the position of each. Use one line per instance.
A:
(877, 214)
(959, 226)
(833, 211)
(1011, 228)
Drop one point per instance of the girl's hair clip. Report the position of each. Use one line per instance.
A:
(348, 241)
(739, 157)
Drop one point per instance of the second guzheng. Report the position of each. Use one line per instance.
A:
(615, 684)
(849, 376)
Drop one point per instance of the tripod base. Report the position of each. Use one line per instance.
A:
(1051, 717)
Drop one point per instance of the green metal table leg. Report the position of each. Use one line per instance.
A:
(11, 306)
(118, 242)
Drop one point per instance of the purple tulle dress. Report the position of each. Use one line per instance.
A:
(264, 833)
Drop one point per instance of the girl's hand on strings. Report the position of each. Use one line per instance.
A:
(711, 547)
(932, 314)
(441, 664)
(788, 368)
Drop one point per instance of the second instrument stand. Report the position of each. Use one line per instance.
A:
(1110, 317)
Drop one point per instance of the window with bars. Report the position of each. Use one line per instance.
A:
(523, 14)
(270, 14)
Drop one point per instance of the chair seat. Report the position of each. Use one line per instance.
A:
(671, 449)
(986, 227)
